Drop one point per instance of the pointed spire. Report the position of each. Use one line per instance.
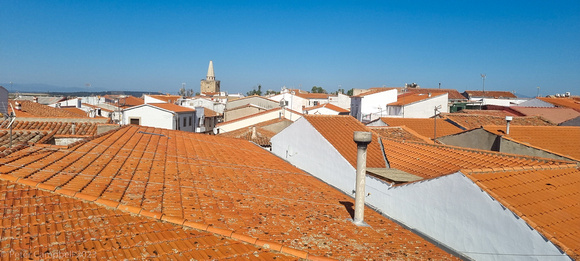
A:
(210, 74)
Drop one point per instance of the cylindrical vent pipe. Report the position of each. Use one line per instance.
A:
(362, 140)
(508, 119)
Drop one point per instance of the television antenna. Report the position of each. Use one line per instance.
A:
(483, 79)
(12, 117)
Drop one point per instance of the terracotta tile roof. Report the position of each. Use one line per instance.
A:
(498, 113)
(433, 160)
(490, 94)
(452, 94)
(33, 109)
(76, 111)
(424, 127)
(59, 128)
(209, 113)
(563, 102)
(38, 224)
(96, 107)
(23, 137)
(222, 185)
(555, 115)
(339, 131)
(410, 97)
(257, 114)
(563, 140)
(329, 106)
(166, 98)
(401, 133)
(172, 107)
(546, 198)
(130, 101)
(312, 95)
(262, 136)
(472, 121)
(373, 91)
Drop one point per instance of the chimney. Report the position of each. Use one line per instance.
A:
(17, 105)
(429, 95)
(79, 103)
(508, 119)
(35, 99)
(362, 140)
(254, 135)
(72, 129)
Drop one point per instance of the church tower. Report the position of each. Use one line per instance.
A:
(210, 84)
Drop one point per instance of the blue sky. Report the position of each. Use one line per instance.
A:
(158, 45)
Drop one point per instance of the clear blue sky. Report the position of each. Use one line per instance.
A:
(157, 45)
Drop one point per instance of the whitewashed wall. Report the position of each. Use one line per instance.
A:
(303, 146)
(264, 116)
(151, 117)
(426, 108)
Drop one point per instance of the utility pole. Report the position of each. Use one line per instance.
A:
(483, 79)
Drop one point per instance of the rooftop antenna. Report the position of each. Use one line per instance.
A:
(538, 95)
(12, 117)
(483, 79)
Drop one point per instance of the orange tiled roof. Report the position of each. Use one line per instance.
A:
(201, 180)
(472, 121)
(490, 94)
(59, 128)
(329, 106)
(262, 136)
(312, 95)
(555, 115)
(410, 97)
(130, 101)
(546, 198)
(424, 127)
(96, 107)
(257, 114)
(33, 109)
(563, 102)
(209, 113)
(172, 107)
(76, 111)
(452, 93)
(498, 113)
(166, 98)
(433, 160)
(22, 137)
(339, 131)
(373, 91)
(401, 133)
(563, 140)
(38, 224)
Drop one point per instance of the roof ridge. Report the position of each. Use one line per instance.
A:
(489, 152)
(506, 169)
(163, 217)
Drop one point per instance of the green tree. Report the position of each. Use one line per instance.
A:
(349, 93)
(255, 92)
(316, 89)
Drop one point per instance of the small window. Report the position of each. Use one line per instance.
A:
(135, 121)
(315, 103)
(190, 120)
(184, 121)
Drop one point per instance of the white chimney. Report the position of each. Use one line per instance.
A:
(253, 130)
(72, 129)
(35, 99)
(362, 140)
(508, 119)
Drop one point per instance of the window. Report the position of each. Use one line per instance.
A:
(189, 120)
(135, 121)
(184, 121)
(315, 103)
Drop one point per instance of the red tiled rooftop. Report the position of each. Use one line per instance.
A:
(555, 115)
(373, 91)
(472, 121)
(491, 94)
(425, 127)
(431, 160)
(23, 137)
(172, 107)
(339, 131)
(329, 106)
(452, 93)
(38, 224)
(261, 137)
(33, 109)
(227, 183)
(166, 98)
(563, 102)
(410, 97)
(563, 140)
(59, 128)
(312, 95)
(76, 111)
(400, 133)
(546, 198)
(497, 113)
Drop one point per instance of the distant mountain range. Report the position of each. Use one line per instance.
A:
(66, 91)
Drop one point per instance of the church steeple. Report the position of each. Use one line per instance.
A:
(210, 74)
